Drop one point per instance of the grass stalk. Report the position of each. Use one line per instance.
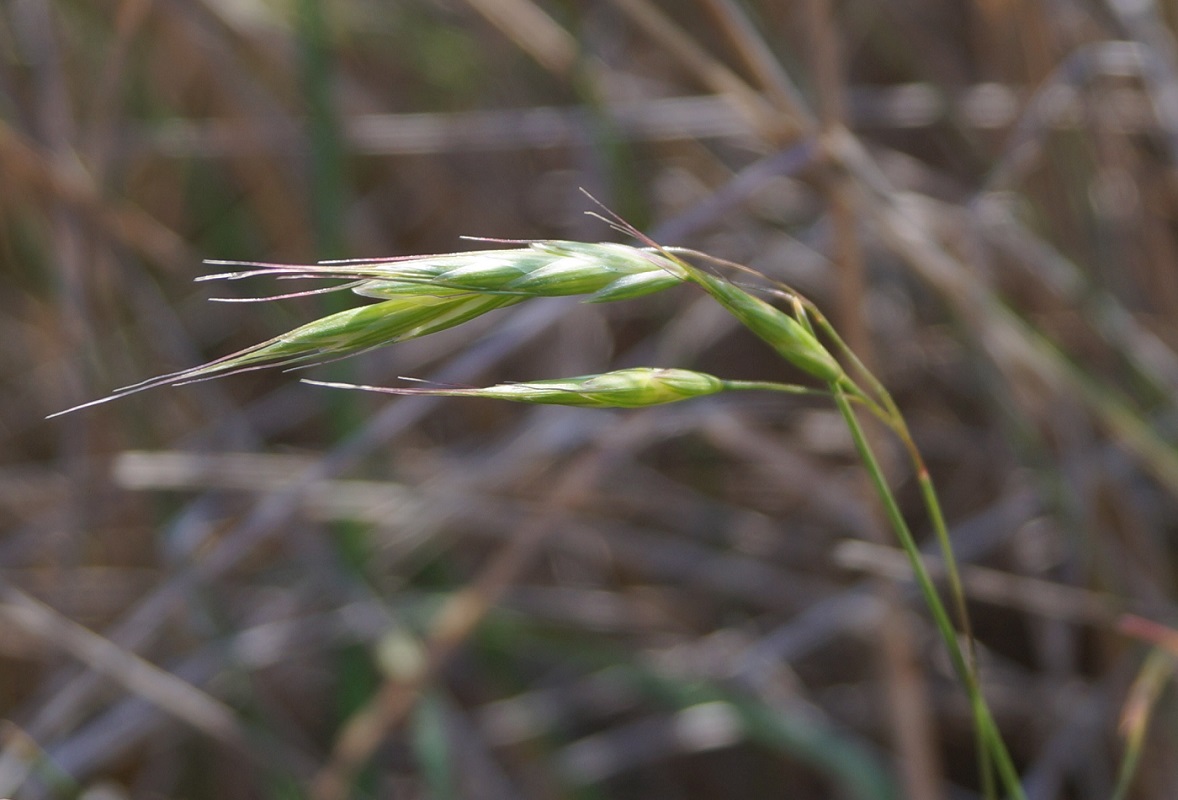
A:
(896, 519)
(886, 410)
(422, 295)
(991, 746)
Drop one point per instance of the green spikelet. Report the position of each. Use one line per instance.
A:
(604, 271)
(782, 332)
(627, 388)
(335, 336)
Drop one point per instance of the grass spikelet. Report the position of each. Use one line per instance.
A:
(334, 336)
(605, 271)
(783, 333)
(626, 388)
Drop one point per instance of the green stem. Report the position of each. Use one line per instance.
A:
(895, 421)
(992, 751)
(907, 541)
(806, 309)
(772, 386)
(933, 506)
(990, 740)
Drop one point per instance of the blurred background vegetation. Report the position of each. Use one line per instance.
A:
(256, 588)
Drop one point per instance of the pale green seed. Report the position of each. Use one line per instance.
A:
(637, 387)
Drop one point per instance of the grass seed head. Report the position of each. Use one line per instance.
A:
(627, 388)
(424, 294)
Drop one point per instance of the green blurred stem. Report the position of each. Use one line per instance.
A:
(1155, 673)
(432, 747)
(328, 181)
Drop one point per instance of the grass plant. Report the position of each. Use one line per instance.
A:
(420, 295)
(981, 198)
